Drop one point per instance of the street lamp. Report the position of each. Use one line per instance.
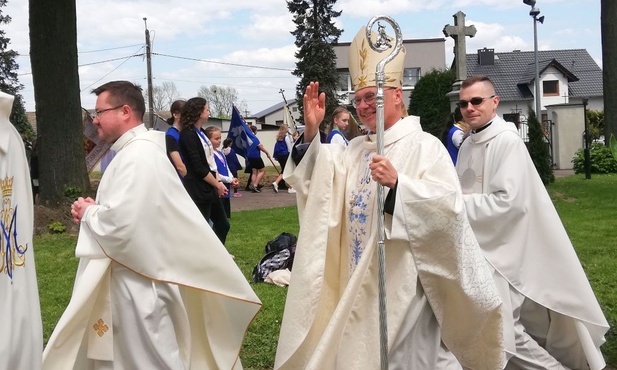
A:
(534, 12)
(586, 137)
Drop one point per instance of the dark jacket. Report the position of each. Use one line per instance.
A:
(197, 168)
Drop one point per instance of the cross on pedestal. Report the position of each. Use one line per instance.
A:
(458, 32)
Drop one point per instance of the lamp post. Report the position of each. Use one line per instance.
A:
(534, 12)
(586, 138)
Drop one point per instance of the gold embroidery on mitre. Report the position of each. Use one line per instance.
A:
(100, 327)
(363, 61)
(363, 77)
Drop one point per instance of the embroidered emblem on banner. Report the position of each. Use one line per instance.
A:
(11, 252)
(100, 327)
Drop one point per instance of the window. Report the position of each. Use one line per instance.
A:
(411, 76)
(550, 88)
(344, 81)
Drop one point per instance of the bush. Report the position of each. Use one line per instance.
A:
(56, 227)
(429, 101)
(601, 159)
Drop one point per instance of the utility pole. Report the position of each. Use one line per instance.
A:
(149, 71)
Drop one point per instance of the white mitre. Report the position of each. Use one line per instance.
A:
(363, 61)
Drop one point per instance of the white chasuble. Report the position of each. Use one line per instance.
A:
(523, 238)
(438, 284)
(21, 338)
(155, 288)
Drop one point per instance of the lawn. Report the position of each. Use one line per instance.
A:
(588, 209)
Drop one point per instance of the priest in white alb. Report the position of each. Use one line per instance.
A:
(155, 288)
(21, 338)
(442, 306)
(551, 317)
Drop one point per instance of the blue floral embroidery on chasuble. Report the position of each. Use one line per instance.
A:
(360, 211)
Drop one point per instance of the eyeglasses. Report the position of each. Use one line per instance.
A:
(99, 113)
(369, 99)
(475, 101)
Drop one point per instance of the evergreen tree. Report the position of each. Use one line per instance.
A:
(9, 82)
(538, 149)
(315, 33)
(428, 100)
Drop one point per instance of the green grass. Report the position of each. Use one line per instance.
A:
(588, 209)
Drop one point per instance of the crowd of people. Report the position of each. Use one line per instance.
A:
(480, 273)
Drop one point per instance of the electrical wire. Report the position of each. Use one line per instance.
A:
(224, 63)
(119, 65)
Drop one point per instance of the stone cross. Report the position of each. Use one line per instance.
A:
(458, 32)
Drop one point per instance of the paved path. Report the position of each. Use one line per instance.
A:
(265, 200)
(269, 199)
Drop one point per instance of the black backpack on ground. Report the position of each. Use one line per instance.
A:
(279, 256)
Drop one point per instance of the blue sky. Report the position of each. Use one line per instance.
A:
(256, 33)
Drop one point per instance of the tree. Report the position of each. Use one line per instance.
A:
(163, 96)
(9, 82)
(538, 149)
(315, 33)
(220, 99)
(608, 14)
(428, 100)
(53, 57)
(595, 119)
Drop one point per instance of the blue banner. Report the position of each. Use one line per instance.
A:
(242, 137)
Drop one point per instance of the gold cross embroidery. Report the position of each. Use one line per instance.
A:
(100, 327)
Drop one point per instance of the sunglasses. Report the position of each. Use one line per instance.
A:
(475, 101)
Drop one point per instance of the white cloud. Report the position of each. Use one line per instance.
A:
(257, 33)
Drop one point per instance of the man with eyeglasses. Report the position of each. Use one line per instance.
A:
(552, 319)
(155, 288)
(440, 293)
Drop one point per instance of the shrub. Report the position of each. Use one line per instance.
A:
(56, 227)
(429, 101)
(72, 192)
(601, 159)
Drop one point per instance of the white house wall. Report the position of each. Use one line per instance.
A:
(552, 74)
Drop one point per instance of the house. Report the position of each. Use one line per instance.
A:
(274, 116)
(566, 77)
(422, 56)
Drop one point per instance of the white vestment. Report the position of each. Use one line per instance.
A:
(155, 288)
(438, 285)
(523, 238)
(21, 338)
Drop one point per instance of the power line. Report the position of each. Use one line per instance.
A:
(99, 62)
(222, 85)
(224, 63)
(119, 65)
(93, 51)
(116, 48)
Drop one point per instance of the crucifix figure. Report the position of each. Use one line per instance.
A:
(458, 32)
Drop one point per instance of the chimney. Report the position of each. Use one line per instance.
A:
(486, 57)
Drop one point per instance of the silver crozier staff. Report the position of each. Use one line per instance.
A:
(382, 43)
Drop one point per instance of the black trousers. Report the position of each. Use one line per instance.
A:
(215, 213)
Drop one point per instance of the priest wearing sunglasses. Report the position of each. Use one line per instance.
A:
(551, 317)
